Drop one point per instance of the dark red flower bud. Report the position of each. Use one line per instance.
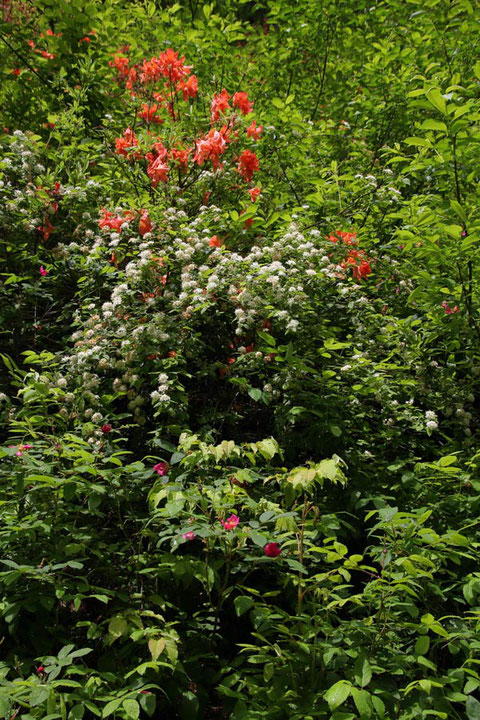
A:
(106, 428)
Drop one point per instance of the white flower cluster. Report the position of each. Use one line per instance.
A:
(431, 420)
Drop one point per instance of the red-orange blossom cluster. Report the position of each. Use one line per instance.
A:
(176, 84)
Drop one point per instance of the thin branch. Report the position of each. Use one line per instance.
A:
(25, 62)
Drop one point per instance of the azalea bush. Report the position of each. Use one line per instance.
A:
(240, 368)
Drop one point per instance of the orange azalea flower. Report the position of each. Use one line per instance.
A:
(121, 65)
(188, 88)
(111, 221)
(149, 114)
(167, 65)
(157, 171)
(219, 105)
(247, 164)
(181, 156)
(253, 131)
(240, 100)
(212, 146)
(124, 144)
(362, 270)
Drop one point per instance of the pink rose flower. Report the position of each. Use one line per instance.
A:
(188, 535)
(231, 522)
(448, 309)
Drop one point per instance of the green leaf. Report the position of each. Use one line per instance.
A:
(255, 394)
(268, 448)
(334, 344)
(472, 708)
(337, 694)
(148, 702)
(258, 539)
(419, 142)
(268, 338)
(240, 711)
(431, 124)
(434, 97)
(188, 706)
(242, 604)
(77, 712)
(132, 708)
(117, 626)
(5, 706)
(39, 695)
(362, 671)
(81, 652)
(422, 645)
(156, 647)
(361, 698)
(379, 706)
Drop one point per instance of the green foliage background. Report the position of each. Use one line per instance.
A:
(334, 414)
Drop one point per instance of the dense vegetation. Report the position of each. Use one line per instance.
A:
(240, 325)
